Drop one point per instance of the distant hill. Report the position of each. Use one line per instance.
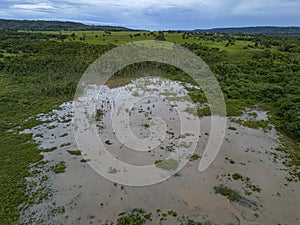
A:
(39, 25)
(269, 30)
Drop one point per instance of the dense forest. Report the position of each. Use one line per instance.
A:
(38, 71)
(39, 25)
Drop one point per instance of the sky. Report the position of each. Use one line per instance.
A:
(158, 14)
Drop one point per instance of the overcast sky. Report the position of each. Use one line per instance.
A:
(158, 14)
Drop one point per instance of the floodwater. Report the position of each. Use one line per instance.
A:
(81, 196)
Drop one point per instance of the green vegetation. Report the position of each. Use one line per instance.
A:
(255, 124)
(192, 222)
(64, 135)
(40, 70)
(292, 160)
(270, 30)
(172, 213)
(248, 184)
(49, 149)
(59, 168)
(254, 188)
(99, 114)
(184, 144)
(74, 152)
(232, 128)
(83, 160)
(167, 164)
(112, 170)
(60, 209)
(237, 176)
(65, 144)
(108, 142)
(231, 161)
(234, 196)
(134, 217)
(256, 215)
(139, 216)
(52, 25)
(195, 157)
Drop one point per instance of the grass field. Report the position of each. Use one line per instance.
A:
(122, 37)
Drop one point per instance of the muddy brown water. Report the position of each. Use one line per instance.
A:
(88, 198)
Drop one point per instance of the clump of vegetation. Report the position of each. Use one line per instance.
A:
(185, 135)
(65, 144)
(51, 127)
(184, 144)
(231, 161)
(170, 132)
(146, 125)
(108, 142)
(194, 157)
(292, 158)
(49, 149)
(59, 168)
(192, 222)
(136, 94)
(99, 114)
(172, 213)
(253, 187)
(74, 152)
(253, 114)
(191, 111)
(39, 135)
(63, 135)
(237, 176)
(60, 209)
(249, 185)
(255, 124)
(234, 196)
(84, 160)
(134, 217)
(167, 164)
(112, 170)
(232, 128)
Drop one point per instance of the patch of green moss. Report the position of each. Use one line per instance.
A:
(167, 164)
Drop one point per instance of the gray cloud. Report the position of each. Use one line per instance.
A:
(157, 14)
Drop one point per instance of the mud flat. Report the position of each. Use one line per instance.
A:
(244, 185)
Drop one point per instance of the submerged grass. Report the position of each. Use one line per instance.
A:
(167, 164)
(235, 196)
(59, 168)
